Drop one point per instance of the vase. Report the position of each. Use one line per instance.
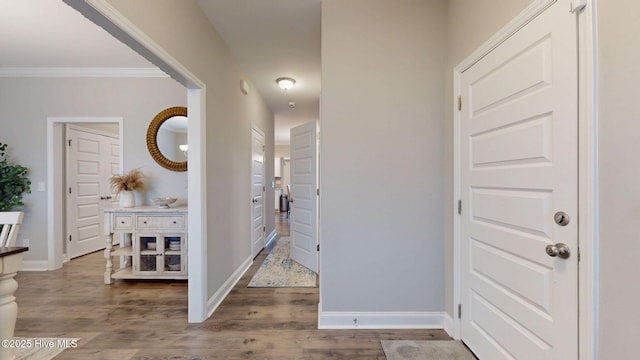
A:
(127, 199)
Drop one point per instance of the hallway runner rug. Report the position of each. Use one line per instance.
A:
(278, 270)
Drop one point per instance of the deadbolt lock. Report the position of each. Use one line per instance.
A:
(561, 218)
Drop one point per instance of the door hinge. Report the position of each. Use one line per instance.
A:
(459, 207)
(264, 229)
(69, 190)
(264, 188)
(577, 5)
(318, 191)
(69, 237)
(69, 142)
(318, 247)
(459, 102)
(459, 311)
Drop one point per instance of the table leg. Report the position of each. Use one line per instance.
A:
(107, 254)
(8, 312)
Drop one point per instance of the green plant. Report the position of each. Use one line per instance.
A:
(13, 182)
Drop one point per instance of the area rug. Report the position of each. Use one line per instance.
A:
(42, 348)
(278, 270)
(426, 350)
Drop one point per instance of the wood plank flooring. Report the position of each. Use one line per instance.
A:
(148, 319)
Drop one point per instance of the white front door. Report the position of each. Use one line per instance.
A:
(304, 213)
(518, 128)
(92, 159)
(257, 192)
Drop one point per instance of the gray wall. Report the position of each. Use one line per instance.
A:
(619, 175)
(26, 103)
(382, 156)
(229, 116)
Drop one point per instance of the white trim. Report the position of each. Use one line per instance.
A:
(197, 195)
(143, 43)
(588, 267)
(55, 180)
(380, 320)
(217, 298)
(85, 72)
(457, 91)
(517, 23)
(449, 324)
(270, 238)
(587, 177)
(34, 265)
(117, 25)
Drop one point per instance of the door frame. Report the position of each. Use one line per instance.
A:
(56, 157)
(100, 12)
(587, 170)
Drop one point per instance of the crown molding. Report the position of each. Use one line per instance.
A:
(72, 72)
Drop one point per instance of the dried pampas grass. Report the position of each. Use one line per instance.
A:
(129, 181)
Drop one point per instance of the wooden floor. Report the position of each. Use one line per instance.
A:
(282, 223)
(148, 319)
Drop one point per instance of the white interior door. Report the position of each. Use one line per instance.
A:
(257, 192)
(304, 213)
(92, 158)
(518, 168)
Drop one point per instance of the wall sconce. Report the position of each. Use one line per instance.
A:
(285, 83)
(184, 148)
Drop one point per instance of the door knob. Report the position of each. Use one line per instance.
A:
(560, 250)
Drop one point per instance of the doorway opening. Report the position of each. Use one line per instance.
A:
(57, 145)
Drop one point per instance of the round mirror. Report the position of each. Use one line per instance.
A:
(167, 138)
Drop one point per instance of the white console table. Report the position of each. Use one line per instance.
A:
(10, 263)
(151, 243)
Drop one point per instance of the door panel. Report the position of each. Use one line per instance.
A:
(91, 161)
(304, 213)
(257, 192)
(518, 128)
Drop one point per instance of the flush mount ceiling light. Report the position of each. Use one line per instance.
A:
(285, 83)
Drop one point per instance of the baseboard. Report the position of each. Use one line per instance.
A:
(217, 298)
(35, 265)
(449, 326)
(271, 237)
(380, 320)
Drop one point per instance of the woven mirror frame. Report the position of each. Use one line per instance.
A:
(152, 138)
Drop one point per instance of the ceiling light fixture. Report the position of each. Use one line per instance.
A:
(285, 83)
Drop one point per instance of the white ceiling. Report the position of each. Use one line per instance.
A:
(269, 39)
(272, 39)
